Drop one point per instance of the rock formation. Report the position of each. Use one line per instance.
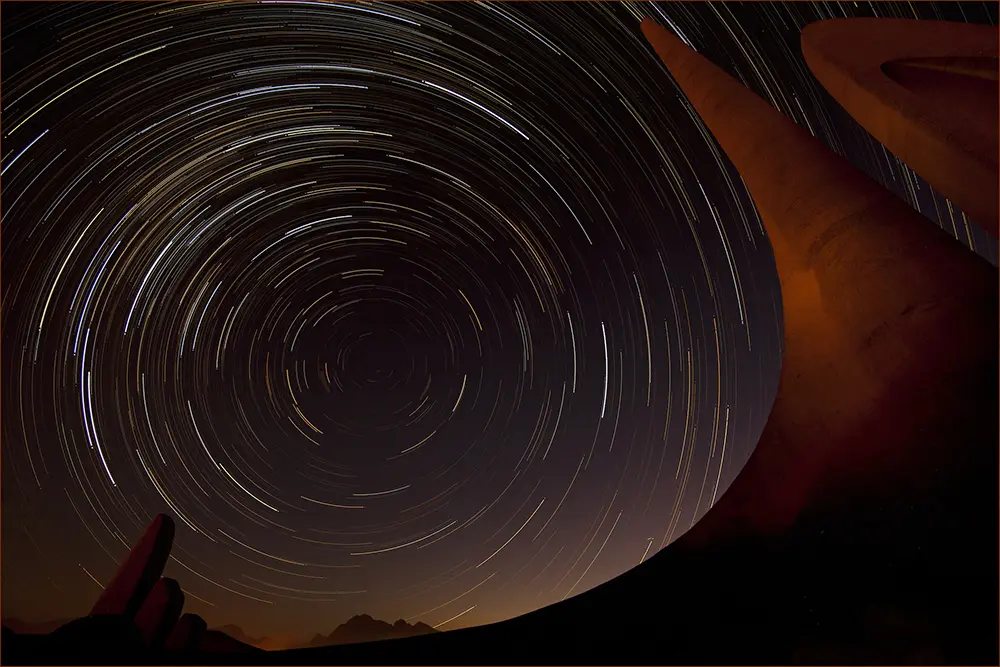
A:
(187, 634)
(139, 572)
(134, 620)
(925, 89)
(890, 325)
(159, 613)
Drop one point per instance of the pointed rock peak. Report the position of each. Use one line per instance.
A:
(140, 570)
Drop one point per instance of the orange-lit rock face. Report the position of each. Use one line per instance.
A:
(925, 89)
(888, 384)
(966, 88)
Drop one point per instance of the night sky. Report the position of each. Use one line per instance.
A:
(435, 312)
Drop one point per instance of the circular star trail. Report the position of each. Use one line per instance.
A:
(442, 313)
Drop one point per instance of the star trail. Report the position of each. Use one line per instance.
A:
(442, 312)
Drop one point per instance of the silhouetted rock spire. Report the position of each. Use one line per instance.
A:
(139, 572)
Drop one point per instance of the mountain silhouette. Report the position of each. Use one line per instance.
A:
(364, 628)
(237, 633)
(265, 643)
(221, 642)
